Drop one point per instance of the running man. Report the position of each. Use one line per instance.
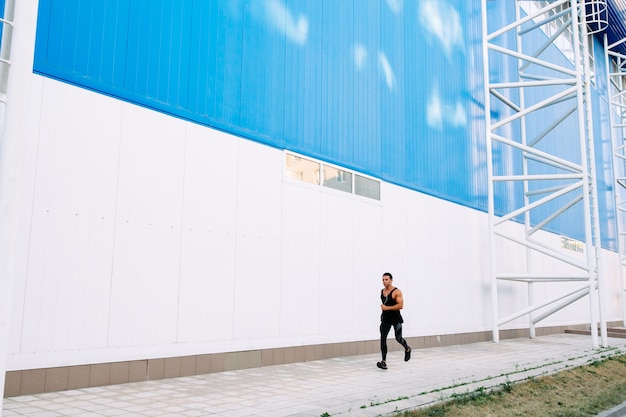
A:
(392, 303)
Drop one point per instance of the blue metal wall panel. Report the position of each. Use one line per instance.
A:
(2, 4)
(616, 17)
(604, 150)
(348, 82)
(392, 89)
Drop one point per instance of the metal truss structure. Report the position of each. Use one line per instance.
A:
(616, 65)
(551, 182)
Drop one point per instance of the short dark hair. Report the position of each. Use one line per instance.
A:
(388, 274)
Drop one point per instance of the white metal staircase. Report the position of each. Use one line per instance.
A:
(548, 179)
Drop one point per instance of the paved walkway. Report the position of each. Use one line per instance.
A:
(348, 386)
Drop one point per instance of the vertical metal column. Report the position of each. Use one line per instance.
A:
(549, 181)
(8, 198)
(616, 84)
(490, 196)
(591, 22)
(527, 221)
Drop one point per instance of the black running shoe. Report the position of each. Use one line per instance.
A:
(381, 365)
(407, 355)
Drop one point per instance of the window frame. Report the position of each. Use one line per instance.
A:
(322, 183)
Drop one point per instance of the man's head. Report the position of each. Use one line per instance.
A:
(387, 278)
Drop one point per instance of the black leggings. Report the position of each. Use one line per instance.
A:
(384, 332)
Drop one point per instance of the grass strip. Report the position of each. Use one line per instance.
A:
(577, 392)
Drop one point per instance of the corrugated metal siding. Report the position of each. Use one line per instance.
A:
(604, 150)
(392, 89)
(2, 3)
(247, 67)
(616, 30)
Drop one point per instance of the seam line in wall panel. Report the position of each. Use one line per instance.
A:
(181, 232)
(115, 220)
(235, 238)
(30, 231)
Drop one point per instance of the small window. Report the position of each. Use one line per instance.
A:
(318, 173)
(366, 187)
(303, 169)
(337, 179)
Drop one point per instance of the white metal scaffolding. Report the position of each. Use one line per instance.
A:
(615, 60)
(518, 62)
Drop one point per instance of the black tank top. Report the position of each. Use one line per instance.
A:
(390, 316)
